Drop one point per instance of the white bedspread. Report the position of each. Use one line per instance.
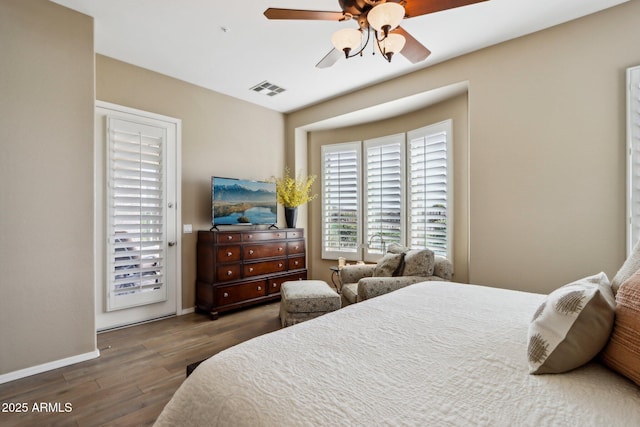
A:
(431, 354)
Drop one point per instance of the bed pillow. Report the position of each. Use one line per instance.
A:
(388, 265)
(571, 326)
(630, 266)
(622, 353)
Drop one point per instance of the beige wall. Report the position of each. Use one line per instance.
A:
(221, 136)
(46, 184)
(456, 109)
(546, 141)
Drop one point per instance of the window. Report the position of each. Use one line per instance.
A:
(405, 195)
(633, 165)
(429, 189)
(341, 200)
(383, 170)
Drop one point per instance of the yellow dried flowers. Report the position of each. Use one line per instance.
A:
(293, 192)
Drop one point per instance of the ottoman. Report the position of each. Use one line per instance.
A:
(305, 299)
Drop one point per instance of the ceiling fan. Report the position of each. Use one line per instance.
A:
(382, 17)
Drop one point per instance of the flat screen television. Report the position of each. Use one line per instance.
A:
(242, 202)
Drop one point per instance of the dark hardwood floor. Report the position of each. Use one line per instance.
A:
(138, 370)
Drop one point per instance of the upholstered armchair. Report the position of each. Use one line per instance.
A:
(400, 267)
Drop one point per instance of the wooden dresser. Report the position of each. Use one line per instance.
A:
(241, 268)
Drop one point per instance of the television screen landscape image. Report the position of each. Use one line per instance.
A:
(243, 202)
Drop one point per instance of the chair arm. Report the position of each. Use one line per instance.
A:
(370, 287)
(443, 268)
(353, 273)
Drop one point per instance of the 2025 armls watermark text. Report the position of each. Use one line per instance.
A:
(41, 407)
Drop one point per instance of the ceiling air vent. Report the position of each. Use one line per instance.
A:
(268, 89)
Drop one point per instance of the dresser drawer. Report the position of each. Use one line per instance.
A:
(228, 253)
(265, 267)
(296, 263)
(228, 272)
(228, 237)
(240, 292)
(249, 236)
(274, 284)
(295, 234)
(295, 247)
(267, 250)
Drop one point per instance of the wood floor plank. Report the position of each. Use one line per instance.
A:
(138, 370)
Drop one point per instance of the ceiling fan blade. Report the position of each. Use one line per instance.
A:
(423, 7)
(413, 50)
(274, 13)
(330, 58)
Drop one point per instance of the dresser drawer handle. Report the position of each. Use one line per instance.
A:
(295, 263)
(229, 273)
(226, 295)
(229, 237)
(279, 249)
(296, 247)
(279, 264)
(250, 269)
(250, 251)
(278, 235)
(259, 288)
(274, 285)
(229, 253)
(250, 236)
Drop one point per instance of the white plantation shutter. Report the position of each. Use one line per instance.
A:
(341, 200)
(633, 168)
(405, 197)
(384, 201)
(429, 184)
(136, 228)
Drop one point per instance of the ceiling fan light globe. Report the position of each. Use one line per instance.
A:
(386, 14)
(347, 38)
(391, 45)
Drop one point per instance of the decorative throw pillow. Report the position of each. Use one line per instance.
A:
(571, 326)
(388, 265)
(419, 262)
(630, 266)
(397, 248)
(622, 353)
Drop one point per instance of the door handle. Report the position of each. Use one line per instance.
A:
(171, 243)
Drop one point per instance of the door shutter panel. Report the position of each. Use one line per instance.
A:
(384, 196)
(340, 189)
(633, 167)
(429, 189)
(136, 226)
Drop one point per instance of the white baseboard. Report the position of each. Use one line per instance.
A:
(187, 311)
(38, 369)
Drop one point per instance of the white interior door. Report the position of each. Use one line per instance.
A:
(137, 216)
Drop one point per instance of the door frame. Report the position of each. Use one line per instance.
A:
(100, 213)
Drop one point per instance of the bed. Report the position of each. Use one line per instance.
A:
(430, 354)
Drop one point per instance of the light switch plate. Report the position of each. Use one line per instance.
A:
(187, 228)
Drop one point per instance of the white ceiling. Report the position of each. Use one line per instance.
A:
(230, 46)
